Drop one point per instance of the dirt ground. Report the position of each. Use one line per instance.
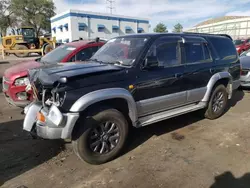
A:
(186, 151)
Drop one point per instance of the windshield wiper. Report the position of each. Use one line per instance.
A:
(96, 60)
(120, 63)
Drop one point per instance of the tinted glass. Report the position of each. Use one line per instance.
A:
(238, 42)
(224, 47)
(167, 54)
(196, 52)
(85, 54)
(123, 50)
(58, 54)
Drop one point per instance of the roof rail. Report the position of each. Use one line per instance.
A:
(224, 35)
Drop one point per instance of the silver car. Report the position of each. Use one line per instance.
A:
(245, 71)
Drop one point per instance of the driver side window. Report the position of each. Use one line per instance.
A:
(167, 53)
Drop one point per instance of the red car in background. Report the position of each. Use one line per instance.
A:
(15, 78)
(242, 45)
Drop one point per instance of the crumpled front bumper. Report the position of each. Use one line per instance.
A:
(48, 129)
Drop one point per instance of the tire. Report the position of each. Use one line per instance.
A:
(90, 132)
(216, 108)
(21, 47)
(47, 49)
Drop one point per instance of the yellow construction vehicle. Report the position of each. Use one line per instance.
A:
(25, 42)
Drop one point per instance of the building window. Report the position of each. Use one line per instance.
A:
(140, 30)
(66, 26)
(60, 28)
(82, 26)
(54, 29)
(115, 29)
(66, 40)
(128, 29)
(100, 28)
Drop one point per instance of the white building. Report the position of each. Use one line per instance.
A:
(238, 27)
(74, 24)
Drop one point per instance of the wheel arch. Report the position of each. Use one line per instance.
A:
(224, 78)
(105, 96)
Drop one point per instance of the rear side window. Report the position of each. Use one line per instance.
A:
(224, 47)
(196, 52)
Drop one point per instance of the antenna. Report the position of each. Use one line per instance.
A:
(110, 5)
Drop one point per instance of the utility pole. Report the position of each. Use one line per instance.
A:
(110, 5)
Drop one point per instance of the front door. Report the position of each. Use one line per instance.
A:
(161, 88)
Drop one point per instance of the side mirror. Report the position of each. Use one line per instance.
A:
(151, 62)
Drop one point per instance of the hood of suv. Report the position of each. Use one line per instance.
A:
(49, 75)
(20, 69)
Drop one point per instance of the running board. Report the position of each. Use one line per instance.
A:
(153, 118)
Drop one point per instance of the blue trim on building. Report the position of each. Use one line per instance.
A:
(115, 27)
(101, 26)
(82, 25)
(74, 14)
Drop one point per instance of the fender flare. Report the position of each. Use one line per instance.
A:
(104, 94)
(216, 77)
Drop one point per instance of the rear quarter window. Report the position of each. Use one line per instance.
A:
(224, 47)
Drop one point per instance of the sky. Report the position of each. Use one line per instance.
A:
(186, 12)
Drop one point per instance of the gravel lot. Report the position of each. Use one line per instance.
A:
(186, 151)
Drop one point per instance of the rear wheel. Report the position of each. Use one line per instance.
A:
(217, 103)
(101, 137)
(21, 47)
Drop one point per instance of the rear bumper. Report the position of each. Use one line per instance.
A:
(48, 129)
(245, 80)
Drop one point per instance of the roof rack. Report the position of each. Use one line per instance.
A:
(223, 35)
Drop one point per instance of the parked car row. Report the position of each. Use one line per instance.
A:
(15, 79)
(133, 80)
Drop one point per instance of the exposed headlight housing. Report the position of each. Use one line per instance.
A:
(55, 116)
(22, 81)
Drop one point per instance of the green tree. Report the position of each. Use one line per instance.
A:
(6, 16)
(177, 28)
(160, 28)
(34, 13)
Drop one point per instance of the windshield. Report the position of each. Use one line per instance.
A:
(58, 54)
(28, 32)
(120, 50)
(238, 42)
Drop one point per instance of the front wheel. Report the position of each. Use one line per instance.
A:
(217, 103)
(101, 137)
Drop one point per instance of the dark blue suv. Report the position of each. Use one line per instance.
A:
(133, 80)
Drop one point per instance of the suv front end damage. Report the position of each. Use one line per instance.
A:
(48, 123)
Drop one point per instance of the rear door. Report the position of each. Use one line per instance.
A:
(198, 63)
